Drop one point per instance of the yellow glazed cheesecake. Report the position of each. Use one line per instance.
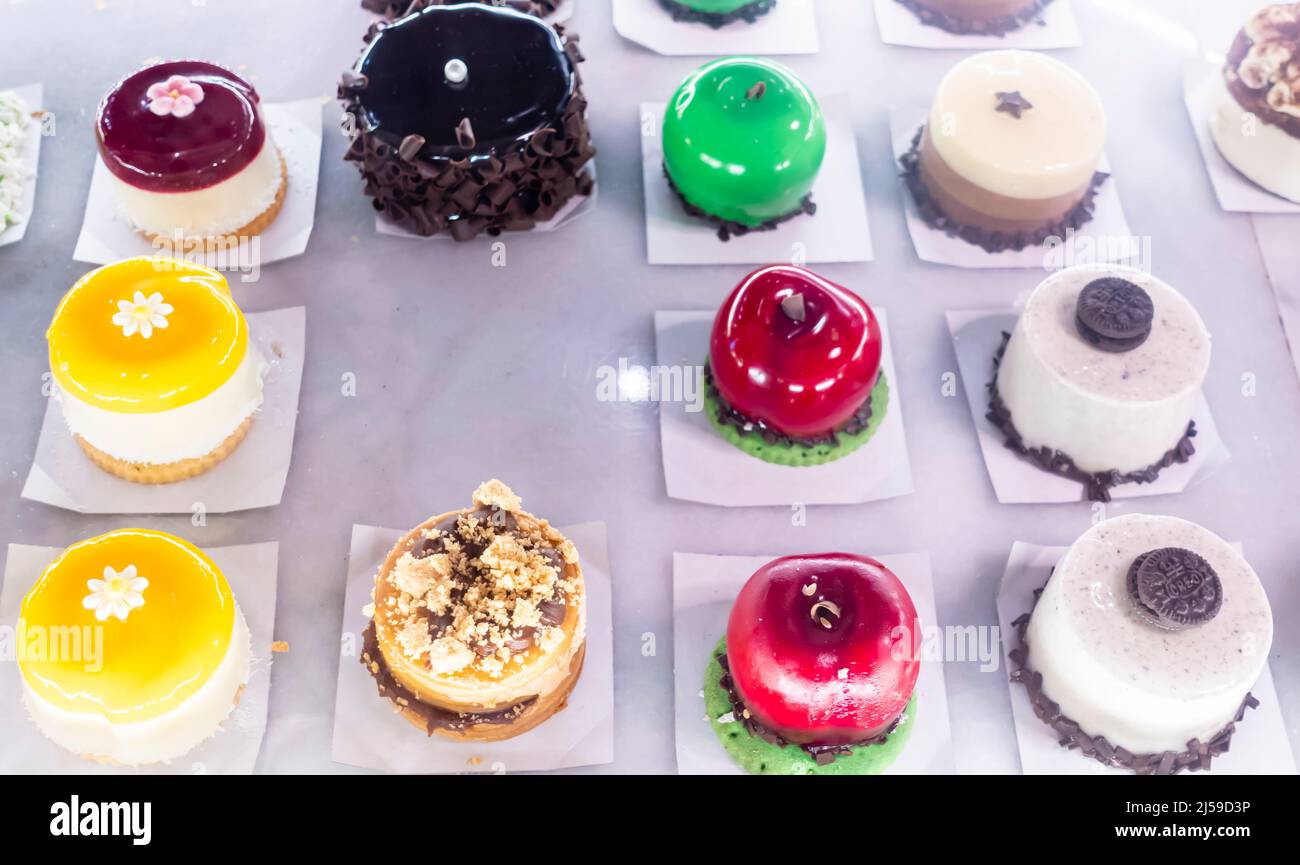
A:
(134, 649)
(154, 369)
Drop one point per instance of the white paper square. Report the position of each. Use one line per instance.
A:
(572, 209)
(1105, 237)
(251, 477)
(33, 95)
(1276, 235)
(704, 588)
(899, 25)
(837, 232)
(701, 466)
(106, 236)
(790, 28)
(976, 336)
(1260, 747)
(369, 733)
(251, 570)
(1202, 82)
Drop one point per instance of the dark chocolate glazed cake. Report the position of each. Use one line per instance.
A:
(468, 118)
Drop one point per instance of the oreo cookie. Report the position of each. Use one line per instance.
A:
(1114, 315)
(1175, 589)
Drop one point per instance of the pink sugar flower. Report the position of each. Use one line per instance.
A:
(176, 96)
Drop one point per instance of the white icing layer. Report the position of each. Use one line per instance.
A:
(171, 735)
(217, 210)
(182, 433)
(1144, 688)
(1106, 410)
(1052, 149)
(1264, 153)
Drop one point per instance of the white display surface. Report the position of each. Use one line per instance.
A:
(478, 360)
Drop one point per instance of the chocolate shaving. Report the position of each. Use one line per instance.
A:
(823, 755)
(729, 416)
(999, 26)
(398, 8)
(355, 80)
(728, 229)
(410, 148)
(1198, 755)
(987, 239)
(749, 13)
(465, 134)
(757, 91)
(794, 307)
(1096, 484)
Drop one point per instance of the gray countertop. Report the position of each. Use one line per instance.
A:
(466, 371)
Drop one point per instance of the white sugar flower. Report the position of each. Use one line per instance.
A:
(142, 314)
(117, 594)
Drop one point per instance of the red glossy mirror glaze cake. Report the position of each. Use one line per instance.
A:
(189, 152)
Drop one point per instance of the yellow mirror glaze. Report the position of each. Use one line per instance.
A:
(145, 335)
(173, 637)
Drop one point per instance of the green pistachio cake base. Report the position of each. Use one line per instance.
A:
(799, 455)
(758, 757)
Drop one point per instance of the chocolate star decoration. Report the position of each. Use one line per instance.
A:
(1011, 102)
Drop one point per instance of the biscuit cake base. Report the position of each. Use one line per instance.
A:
(165, 473)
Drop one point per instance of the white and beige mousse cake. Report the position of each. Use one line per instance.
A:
(1009, 153)
(1255, 121)
(154, 369)
(132, 648)
(1150, 632)
(189, 153)
(1104, 367)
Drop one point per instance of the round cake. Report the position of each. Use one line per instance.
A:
(1101, 375)
(794, 373)
(977, 17)
(468, 119)
(1256, 117)
(135, 649)
(189, 153)
(153, 368)
(1009, 154)
(743, 142)
(718, 13)
(818, 669)
(479, 624)
(1150, 634)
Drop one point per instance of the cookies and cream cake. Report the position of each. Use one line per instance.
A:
(479, 620)
(1145, 642)
(468, 118)
(153, 368)
(1255, 122)
(189, 153)
(1100, 376)
(977, 17)
(1008, 156)
(136, 649)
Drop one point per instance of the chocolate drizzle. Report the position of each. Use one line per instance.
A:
(999, 26)
(471, 184)
(1096, 484)
(748, 13)
(729, 416)
(397, 8)
(433, 717)
(1198, 755)
(821, 754)
(728, 229)
(988, 239)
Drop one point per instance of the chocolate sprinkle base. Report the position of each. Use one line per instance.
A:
(728, 229)
(745, 424)
(821, 754)
(434, 718)
(748, 13)
(999, 26)
(1197, 757)
(514, 189)
(987, 239)
(1097, 484)
(392, 9)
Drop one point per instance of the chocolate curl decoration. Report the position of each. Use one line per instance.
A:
(793, 307)
(465, 134)
(757, 91)
(410, 147)
(354, 81)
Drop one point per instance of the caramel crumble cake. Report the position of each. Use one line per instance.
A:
(478, 626)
